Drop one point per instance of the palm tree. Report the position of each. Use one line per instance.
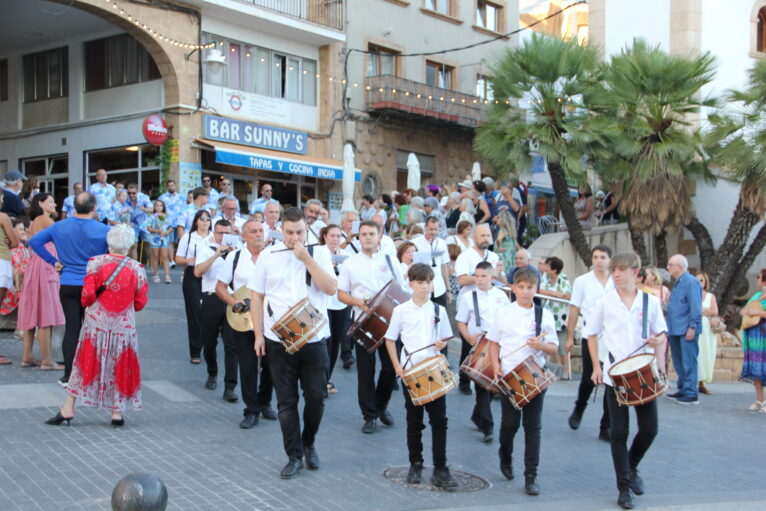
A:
(654, 151)
(542, 89)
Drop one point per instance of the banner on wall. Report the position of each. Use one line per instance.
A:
(241, 104)
(189, 177)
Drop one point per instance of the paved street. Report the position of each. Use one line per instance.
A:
(707, 457)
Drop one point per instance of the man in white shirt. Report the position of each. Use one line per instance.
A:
(229, 213)
(233, 275)
(350, 244)
(285, 274)
(387, 245)
(314, 223)
(586, 291)
(212, 315)
(465, 265)
(272, 228)
(476, 312)
(362, 275)
(620, 316)
(435, 249)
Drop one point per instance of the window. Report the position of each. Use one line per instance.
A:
(129, 165)
(382, 62)
(3, 79)
(439, 75)
(760, 41)
(115, 61)
(263, 71)
(46, 75)
(488, 15)
(442, 6)
(484, 88)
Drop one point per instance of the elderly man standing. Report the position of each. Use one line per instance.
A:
(12, 203)
(684, 324)
(104, 193)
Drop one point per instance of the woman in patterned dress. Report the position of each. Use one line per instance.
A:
(106, 372)
(555, 284)
(754, 346)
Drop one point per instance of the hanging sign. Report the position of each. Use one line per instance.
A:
(155, 129)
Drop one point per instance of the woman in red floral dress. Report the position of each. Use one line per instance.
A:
(106, 372)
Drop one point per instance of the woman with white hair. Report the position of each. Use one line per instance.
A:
(106, 373)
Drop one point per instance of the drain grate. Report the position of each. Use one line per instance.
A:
(465, 482)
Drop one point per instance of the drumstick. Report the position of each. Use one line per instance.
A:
(409, 355)
(286, 249)
(543, 334)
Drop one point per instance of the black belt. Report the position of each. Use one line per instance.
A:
(208, 293)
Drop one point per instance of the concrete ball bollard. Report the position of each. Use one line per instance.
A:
(140, 492)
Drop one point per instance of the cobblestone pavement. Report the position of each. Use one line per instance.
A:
(707, 457)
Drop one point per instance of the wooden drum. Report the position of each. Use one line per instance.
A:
(298, 325)
(478, 366)
(370, 327)
(429, 380)
(525, 382)
(637, 380)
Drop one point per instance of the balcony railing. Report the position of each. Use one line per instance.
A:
(323, 12)
(398, 96)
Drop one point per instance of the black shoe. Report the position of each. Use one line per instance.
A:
(268, 413)
(506, 466)
(230, 396)
(386, 418)
(626, 500)
(250, 421)
(416, 470)
(443, 479)
(636, 483)
(348, 363)
(530, 486)
(118, 422)
(291, 469)
(476, 422)
(396, 384)
(211, 384)
(62, 382)
(370, 426)
(57, 419)
(575, 418)
(674, 395)
(311, 456)
(465, 388)
(487, 437)
(604, 435)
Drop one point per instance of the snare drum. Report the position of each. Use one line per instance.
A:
(525, 382)
(429, 380)
(370, 327)
(478, 366)
(298, 325)
(637, 380)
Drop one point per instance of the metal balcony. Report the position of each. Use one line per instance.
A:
(396, 96)
(324, 12)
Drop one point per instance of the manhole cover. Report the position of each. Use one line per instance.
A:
(465, 482)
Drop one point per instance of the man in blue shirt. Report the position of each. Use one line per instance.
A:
(258, 205)
(684, 323)
(76, 239)
(67, 210)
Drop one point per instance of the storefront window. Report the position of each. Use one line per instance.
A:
(52, 174)
(131, 164)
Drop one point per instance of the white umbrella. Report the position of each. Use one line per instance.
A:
(413, 172)
(476, 171)
(348, 178)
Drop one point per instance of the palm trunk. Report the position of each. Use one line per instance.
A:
(728, 254)
(743, 265)
(576, 234)
(661, 249)
(639, 243)
(705, 245)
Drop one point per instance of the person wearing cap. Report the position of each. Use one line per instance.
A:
(431, 207)
(12, 203)
(464, 187)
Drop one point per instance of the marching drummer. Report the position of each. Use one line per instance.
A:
(619, 315)
(234, 274)
(522, 329)
(423, 335)
(361, 276)
(475, 314)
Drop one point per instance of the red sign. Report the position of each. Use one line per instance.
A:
(155, 130)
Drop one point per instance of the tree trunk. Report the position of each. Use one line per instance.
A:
(639, 244)
(661, 249)
(728, 254)
(576, 234)
(705, 245)
(743, 265)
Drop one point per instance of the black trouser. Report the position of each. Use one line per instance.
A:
(373, 399)
(192, 291)
(531, 417)
(586, 387)
(338, 327)
(482, 411)
(437, 418)
(309, 366)
(212, 318)
(73, 314)
(465, 349)
(624, 460)
(255, 398)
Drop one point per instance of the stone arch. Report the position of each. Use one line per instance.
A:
(755, 17)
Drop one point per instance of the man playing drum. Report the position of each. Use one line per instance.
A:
(514, 337)
(475, 314)
(286, 273)
(235, 273)
(619, 315)
(423, 335)
(361, 276)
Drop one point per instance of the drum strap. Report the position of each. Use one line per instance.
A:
(644, 327)
(476, 308)
(310, 248)
(234, 266)
(188, 242)
(390, 266)
(538, 320)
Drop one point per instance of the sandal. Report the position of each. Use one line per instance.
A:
(756, 407)
(195, 361)
(51, 367)
(156, 279)
(167, 279)
(27, 363)
(5, 361)
(331, 388)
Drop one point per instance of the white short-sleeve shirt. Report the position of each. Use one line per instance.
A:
(436, 251)
(281, 277)
(466, 265)
(187, 245)
(587, 290)
(312, 232)
(417, 328)
(210, 277)
(242, 273)
(363, 276)
(622, 329)
(513, 326)
(489, 303)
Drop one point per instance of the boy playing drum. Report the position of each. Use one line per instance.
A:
(423, 335)
(513, 339)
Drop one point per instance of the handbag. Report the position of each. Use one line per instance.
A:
(751, 321)
(717, 326)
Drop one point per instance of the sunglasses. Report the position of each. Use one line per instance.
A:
(204, 219)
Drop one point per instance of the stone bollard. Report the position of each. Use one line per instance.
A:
(140, 492)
